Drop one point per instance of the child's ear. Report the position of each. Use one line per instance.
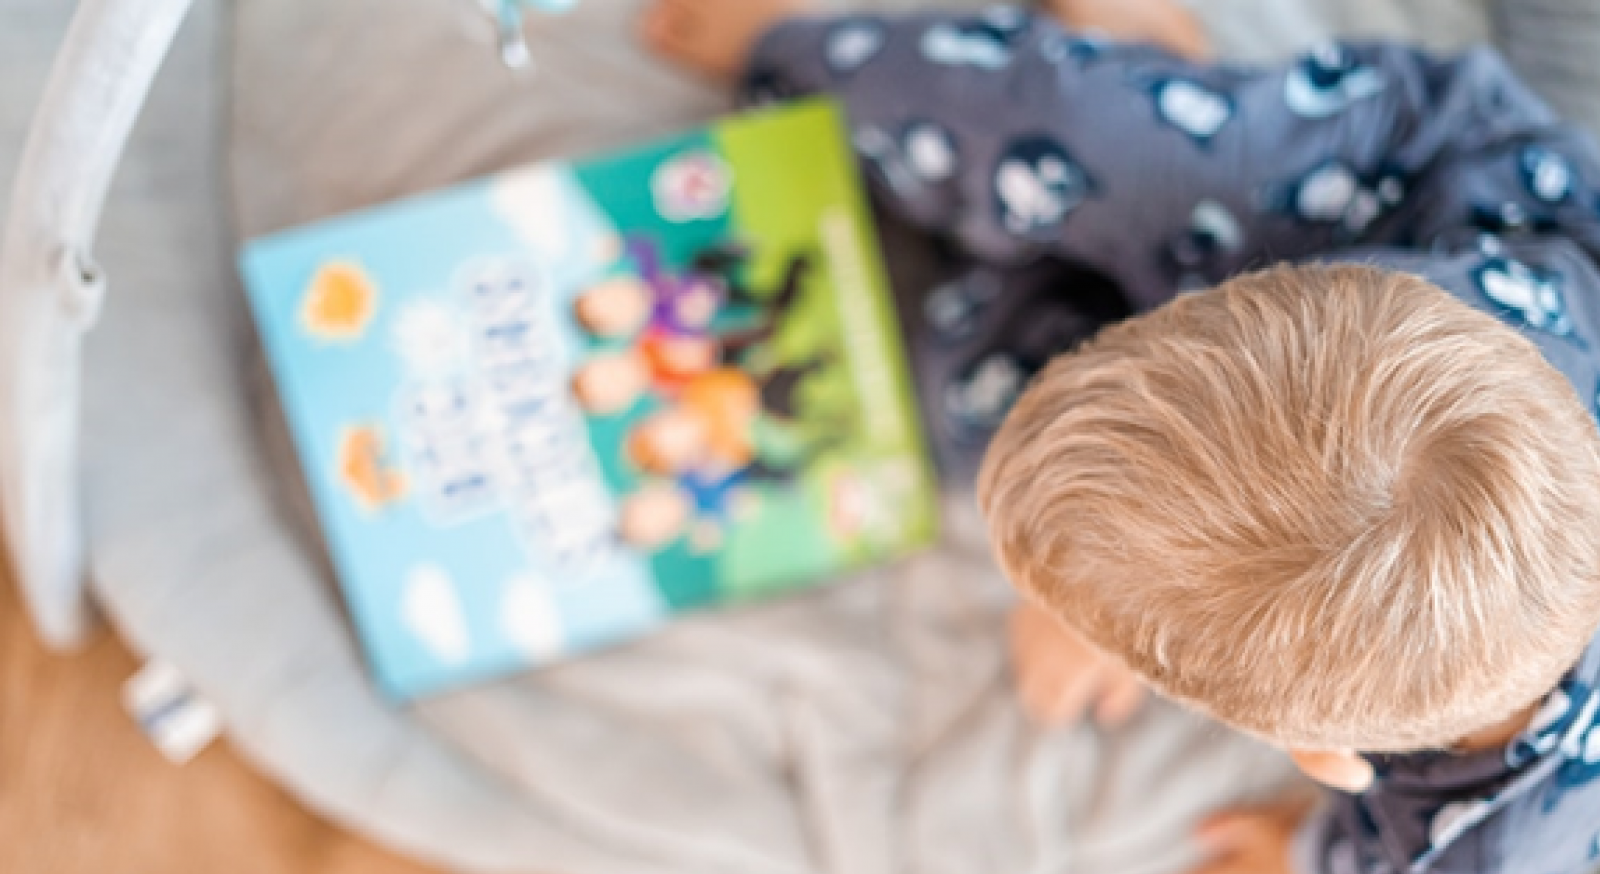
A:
(1341, 769)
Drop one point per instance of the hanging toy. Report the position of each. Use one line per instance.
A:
(508, 16)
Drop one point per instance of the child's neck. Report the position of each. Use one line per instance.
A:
(1499, 734)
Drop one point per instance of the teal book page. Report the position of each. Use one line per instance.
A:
(544, 412)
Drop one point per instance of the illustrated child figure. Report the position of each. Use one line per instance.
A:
(700, 448)
(721, 427)
(670, 320)
(1349, 503)
(714, 439)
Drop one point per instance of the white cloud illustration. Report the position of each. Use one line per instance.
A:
(530, 620)
(432, 612)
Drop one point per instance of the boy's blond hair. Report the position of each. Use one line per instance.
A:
(1332, 506)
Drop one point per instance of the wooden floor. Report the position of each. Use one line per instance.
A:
(82, 792)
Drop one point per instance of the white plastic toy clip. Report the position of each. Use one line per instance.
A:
(170, 712)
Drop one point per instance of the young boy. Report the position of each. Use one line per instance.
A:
(1351, 507)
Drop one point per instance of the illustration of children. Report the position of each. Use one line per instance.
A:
(724, 423)
(715, 439)
(681, 324)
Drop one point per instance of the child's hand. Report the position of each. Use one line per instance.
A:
(1060, 678)
(1254, 841)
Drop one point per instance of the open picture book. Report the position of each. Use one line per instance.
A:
(546, 411)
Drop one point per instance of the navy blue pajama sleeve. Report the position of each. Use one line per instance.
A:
(1020, 140)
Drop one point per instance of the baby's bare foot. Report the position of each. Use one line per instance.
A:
(712, 37)
(1166, 23)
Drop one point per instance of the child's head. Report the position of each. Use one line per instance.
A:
(672, 440)
(1332, 506)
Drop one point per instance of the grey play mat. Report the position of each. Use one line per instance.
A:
(865, 728)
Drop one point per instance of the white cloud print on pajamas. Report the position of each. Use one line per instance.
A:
(1193, 108)
(930, 151)
(852, 44)
(984, 46)
(1037, 184)
(1529, 297)
(1328, 80)
(1547, 175)
(925, 153)
(1333, 193)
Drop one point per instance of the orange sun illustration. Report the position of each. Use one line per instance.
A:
(340, 302)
